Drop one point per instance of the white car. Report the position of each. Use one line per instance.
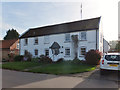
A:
(110, 61)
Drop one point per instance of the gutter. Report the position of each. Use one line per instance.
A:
(96, 39)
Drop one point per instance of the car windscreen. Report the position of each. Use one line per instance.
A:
(112, 57)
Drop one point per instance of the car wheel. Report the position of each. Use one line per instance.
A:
(102, 72)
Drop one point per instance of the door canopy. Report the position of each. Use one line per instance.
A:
(55, 45)
(55, 48)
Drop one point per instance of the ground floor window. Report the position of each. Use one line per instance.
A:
(67, 52)
(83, 50)
(36, 51)
(46, 52)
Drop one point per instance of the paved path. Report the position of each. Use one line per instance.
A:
(15, 79)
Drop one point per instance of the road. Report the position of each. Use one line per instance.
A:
(15, 79)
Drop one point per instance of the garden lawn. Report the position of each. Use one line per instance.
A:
(19, 65)
(54, 68)
(63, 68)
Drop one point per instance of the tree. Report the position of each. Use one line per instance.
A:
(11, 34)
(117, 48)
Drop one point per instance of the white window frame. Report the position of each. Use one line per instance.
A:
(81, 51)
(80, 35)
(26, 41)
(67, 37)
(48, 51)
(46, 39)
(68, 55)
(35, 52)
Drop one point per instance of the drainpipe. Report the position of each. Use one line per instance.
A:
(103, 45)
(96, 39)
(19, 46)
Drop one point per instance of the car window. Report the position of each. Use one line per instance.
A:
(112, 57)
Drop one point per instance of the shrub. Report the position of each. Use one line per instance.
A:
(93, 57)
(60, 60)
(27, 56)
(11, 56)
(35, 59)
(18, 58)
(77, 61)
(45, 59)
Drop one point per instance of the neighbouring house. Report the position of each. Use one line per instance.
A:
(113, 45)
(9, 46)
(67, 40)
(106, 46)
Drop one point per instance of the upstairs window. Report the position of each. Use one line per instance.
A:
(83, 36)
(26, 41)
(36, 41)
(67, 37)
(46, 39)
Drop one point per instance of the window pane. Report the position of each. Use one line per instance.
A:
(67, 52)
(36, 40)
(83, 51)
(112, 57)
(83, 35)
(46, 52)
(67, 37)
(26, 41)
(36, 52)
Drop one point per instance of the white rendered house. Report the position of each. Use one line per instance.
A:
(56, 41)
(106, 46)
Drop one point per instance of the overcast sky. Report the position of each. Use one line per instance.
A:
(24, 15)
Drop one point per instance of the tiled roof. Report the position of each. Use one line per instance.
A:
(5, 44)
(82, 25)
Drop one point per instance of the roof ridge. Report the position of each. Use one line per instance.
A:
(65, 23)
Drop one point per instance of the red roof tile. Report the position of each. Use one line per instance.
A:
(5, 44)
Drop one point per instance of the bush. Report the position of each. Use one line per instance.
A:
(45, 59)
(11, 56)
(27, 56)
(60, 60)
(35, 59)
(18, 58)
(77, 61)
(93, 57)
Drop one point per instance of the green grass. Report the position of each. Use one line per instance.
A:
(63, 68)
(19, 65)
(54, 68)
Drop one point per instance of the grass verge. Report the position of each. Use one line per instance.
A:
(20, 66)
(54, 68)
(63, 68)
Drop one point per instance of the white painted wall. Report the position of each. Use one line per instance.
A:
(106, 46)
(90, 43)
(100, 36)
